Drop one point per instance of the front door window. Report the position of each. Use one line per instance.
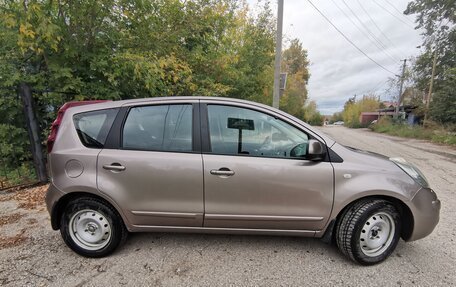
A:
(239, 131)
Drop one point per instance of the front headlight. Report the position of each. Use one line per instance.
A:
(411, 170)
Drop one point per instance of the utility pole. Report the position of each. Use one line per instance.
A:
(399, 99)
(278, 56)
(431, 85)
(33, 132)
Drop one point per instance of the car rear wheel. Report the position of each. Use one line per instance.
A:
(368, 231)
(92, 228)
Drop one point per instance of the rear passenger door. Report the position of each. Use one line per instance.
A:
(155, 173)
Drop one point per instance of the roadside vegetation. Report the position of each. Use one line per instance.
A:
(433, 132)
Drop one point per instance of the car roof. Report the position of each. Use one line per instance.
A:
(120, 103)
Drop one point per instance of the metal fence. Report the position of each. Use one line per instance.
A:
(23, 175)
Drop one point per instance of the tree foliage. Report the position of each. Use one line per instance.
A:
(353, 109)
(312, 115)
(443, 108)
(437, 19)
(115, 49)
(336, 117)
(118, 49)
(295, 64)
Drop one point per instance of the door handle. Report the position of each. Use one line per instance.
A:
(222, 171)
(114, 167)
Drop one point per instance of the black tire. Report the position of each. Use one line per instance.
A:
(117, 231)
(357, 226)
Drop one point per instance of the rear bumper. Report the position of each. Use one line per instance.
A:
(52, 197)
(425, 207)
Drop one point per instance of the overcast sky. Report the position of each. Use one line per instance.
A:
(338, 70)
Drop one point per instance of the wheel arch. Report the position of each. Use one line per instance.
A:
(404, 210)
(61, 204)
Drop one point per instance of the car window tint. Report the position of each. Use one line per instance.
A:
(93, 127)
(236, 130)
(159, 128)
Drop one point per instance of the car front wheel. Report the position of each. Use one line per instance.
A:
(368, 231)
(91, 227)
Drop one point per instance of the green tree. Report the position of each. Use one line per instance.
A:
(117, 49)
(437, 19)
(443, 108)
(353, 109)
(312, 115)
(295, 64)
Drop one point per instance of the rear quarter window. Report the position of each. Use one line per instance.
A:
(93, 127)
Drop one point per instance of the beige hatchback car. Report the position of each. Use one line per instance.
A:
(217, 165)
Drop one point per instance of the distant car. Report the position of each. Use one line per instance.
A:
(339, 123)
(215, 165)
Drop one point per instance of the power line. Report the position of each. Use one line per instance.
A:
(375, 24)
(362, 31)
(389, 12)
(371, 33)
(397, 10)
(382, 46)
(346, 38)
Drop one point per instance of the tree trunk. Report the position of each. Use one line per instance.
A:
(33, 131)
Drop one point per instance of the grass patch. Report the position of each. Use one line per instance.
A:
(437, 135)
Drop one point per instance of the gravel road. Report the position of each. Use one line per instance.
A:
(31, 254)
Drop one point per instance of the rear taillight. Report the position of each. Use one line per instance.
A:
(55, 125)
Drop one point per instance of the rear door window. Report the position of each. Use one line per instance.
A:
(93, 127)
(159, 128)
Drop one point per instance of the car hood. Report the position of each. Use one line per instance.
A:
(366, 159)
(366, 152)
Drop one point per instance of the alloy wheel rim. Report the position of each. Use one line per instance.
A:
(377, 234)
(90, 229)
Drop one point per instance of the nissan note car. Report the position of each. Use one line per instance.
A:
(218, 165)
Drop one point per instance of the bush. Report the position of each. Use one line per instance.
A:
(316, 120)
(437, 134)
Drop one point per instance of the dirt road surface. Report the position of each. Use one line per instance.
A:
(32, 254)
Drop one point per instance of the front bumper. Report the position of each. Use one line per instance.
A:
(425, 207)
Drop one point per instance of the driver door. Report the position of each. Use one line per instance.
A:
(250, 179)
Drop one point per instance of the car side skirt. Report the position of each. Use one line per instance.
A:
(216, 230)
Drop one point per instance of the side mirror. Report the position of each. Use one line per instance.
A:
(316, 150)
